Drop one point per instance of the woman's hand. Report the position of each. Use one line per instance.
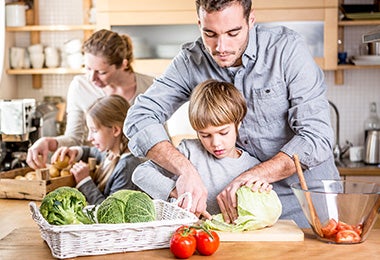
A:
(38, 153)
(80, 170)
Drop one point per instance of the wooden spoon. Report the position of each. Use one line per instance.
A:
(313, 214)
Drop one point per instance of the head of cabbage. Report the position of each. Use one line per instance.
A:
(126, 206)
(256, 210)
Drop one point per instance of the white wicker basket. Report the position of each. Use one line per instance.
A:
(98, 239)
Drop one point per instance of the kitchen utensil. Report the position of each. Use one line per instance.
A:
(372, 147)
(351, 204)
(283, 230)
(315, 222)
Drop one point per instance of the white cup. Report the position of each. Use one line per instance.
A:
(36, 48)
(17, 57)
(75, 61)
(37, 60)
(73, 46)
(15, 14)
(356, 153)
(51, 57)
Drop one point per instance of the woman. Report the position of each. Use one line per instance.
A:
(108, 59)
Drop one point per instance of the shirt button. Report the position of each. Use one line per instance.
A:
(246, 142)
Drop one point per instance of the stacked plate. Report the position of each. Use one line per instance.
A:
(366, 60)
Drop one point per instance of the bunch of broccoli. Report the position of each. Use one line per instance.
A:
(64, 206)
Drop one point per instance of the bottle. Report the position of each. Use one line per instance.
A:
(373, 121)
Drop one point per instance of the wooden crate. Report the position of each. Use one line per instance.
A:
(30, 189)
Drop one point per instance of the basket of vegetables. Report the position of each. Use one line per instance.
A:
(125, 221)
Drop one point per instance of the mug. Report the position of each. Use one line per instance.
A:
(51, 57)
(37, 60)
(17, 57)
(356, 153)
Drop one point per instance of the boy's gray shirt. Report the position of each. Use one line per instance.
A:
(215, 173)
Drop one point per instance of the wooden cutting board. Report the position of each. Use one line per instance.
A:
(283, 230)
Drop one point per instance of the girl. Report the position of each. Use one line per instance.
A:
(105, 120)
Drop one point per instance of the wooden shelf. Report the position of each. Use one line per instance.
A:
(45, 71)
(358, 22)
(38, 28)
(355, 67)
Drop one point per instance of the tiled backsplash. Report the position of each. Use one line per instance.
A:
(352, 99)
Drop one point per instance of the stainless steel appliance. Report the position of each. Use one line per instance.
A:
(18, 129)
(372, 147)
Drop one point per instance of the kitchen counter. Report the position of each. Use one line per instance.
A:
(348, 168)
(20, 239)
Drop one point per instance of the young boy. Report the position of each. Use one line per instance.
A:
(216, 110)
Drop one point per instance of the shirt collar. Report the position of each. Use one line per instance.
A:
(251, 50)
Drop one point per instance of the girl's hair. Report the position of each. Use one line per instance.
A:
(109, 111)
(111, 46)
(216, 103)
(218, 5)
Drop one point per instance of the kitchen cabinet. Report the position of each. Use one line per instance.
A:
(345, 25)
(35, 30)
(145, 13)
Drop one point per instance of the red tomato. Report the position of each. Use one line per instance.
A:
(183, 243)
(347, 236)
(207, 242)
(330, 229)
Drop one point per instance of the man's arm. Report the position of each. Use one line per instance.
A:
(168, 157)
(277, 168)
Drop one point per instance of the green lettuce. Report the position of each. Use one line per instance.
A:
(256, 210)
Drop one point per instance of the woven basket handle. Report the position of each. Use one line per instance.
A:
(36, 215)
(182, 197)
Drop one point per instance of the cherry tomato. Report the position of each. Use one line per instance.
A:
(207, 242)
(182, 242)
(347, 236)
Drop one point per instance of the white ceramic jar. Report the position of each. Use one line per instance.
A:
(15, 14)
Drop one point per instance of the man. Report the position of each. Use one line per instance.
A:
(288, 112)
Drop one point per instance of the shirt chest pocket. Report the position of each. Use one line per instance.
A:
(270, 104)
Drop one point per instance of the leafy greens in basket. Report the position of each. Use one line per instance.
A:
(126, 206)
(256, 210)
(64, 206)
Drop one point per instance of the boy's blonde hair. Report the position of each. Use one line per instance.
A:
(109, 111)
(216, 103)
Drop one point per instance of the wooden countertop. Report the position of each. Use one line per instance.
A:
(358, 169)
(20, 239)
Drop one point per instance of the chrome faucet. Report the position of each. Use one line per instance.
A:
(339, 151)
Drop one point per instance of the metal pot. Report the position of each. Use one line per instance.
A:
(372, 147)
(374, 48)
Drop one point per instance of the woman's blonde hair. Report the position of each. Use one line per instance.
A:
(111, 46)
(109, 111)
(216, 103)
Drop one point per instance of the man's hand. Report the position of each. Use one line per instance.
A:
(168, 157)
